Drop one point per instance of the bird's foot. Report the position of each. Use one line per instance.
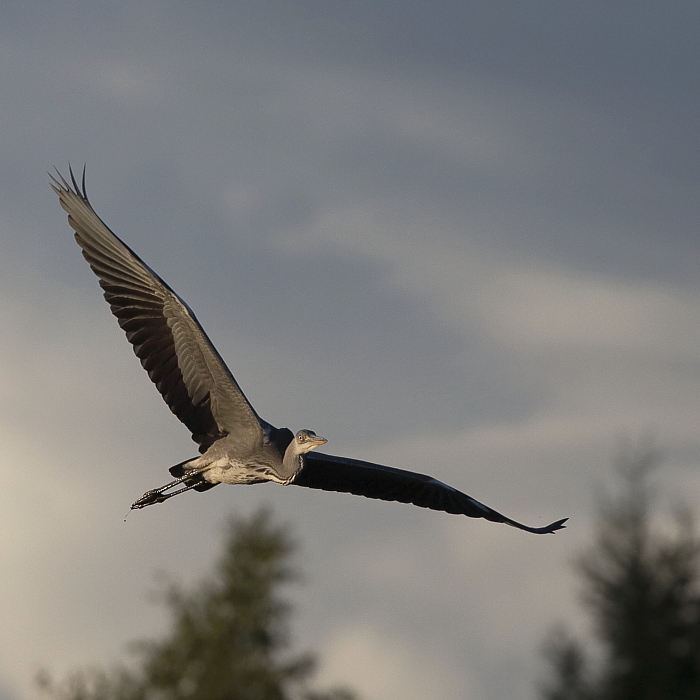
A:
(150, 498)
(159, 495)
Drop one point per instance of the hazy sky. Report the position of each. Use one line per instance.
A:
(459, 238)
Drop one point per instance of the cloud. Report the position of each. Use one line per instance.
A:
(549, 310)
(493, 226)
(126, 82)
(382, 666)
(538, 308)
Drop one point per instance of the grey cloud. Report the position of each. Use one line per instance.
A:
(492, 210)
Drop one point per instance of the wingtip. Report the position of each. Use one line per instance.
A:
(58, 182)
(60, 185)
(72, 178)
(552, 529)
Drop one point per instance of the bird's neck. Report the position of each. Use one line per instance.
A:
(291, 464)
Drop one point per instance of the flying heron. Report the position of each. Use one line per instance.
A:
(236, 445)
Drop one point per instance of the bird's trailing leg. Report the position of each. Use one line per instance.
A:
(158, 495)
(187, 480)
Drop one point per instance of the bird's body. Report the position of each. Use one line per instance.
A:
(224, 462)
(236, 445)
(221, 463)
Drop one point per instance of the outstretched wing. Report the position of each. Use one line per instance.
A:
(330, 473)
(166, 336)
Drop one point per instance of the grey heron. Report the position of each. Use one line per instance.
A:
(236, 445)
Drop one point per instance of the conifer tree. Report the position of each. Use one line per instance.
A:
(641, 588)
(228, 638)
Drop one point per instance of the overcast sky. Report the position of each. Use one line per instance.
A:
(458, 238)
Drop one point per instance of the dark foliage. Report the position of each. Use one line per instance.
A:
(641, 588)
(228, 638)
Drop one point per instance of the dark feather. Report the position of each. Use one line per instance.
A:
(331, 473)
(138, 297)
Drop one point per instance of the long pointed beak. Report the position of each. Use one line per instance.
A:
(317, 440)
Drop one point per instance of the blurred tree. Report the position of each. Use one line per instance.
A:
(641, 587)
(228, 638)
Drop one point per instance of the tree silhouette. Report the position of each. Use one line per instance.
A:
(641, 588)
(228, 637)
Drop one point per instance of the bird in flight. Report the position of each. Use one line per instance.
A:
(236, 445)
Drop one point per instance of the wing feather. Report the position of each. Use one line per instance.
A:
(166, 336)
(331, 473)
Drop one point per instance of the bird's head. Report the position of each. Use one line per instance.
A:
(306, 440)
